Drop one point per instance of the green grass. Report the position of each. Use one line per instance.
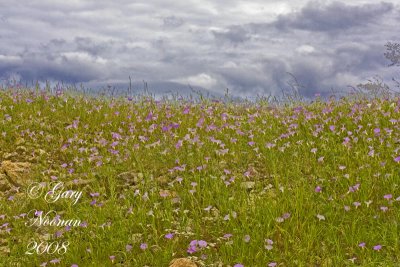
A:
(245, 175)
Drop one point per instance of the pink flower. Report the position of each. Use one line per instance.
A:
(227, 236)
(269, 244)
(389, 196)
(202, 243)
(169, 236)
(54, 261)
(178, 144)
(38, 213)
(378, 247)
(191, 249)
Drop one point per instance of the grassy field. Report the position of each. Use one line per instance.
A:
(221, 183)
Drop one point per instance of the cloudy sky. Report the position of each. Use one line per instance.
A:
(246, 46)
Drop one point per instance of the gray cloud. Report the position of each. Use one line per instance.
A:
(172, 22)
(88, 45)
(336, 16)
(248, 47)
(234, 34)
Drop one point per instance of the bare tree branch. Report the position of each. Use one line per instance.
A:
(393, 53)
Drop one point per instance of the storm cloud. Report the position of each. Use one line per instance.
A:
(250, 47)
(336, 17)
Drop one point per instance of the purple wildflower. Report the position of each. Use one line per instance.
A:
(169, 236)
(227, 236)
(38, 213)
(378, 247)
(54, 261)
(192, 249)
(96, 194)
(58, 234)
(202, 243)
(388, 196)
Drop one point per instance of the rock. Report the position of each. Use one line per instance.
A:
(17, 173)
(19, 141)
(21, 149)
(248, 185)
(131, 178)
(4, 184)
(167, 193)
(37, 155)
(40, 152)
(33, 159)
(5, 250)
(182, 262)
(8, 156)
(162, 180)
(3, 242)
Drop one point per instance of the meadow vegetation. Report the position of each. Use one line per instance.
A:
(223, 183)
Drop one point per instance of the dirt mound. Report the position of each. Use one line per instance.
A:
(182, 262)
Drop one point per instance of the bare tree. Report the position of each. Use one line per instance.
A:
(376, 87)
(393, 53)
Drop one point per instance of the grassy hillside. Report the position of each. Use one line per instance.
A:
(224, 184)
